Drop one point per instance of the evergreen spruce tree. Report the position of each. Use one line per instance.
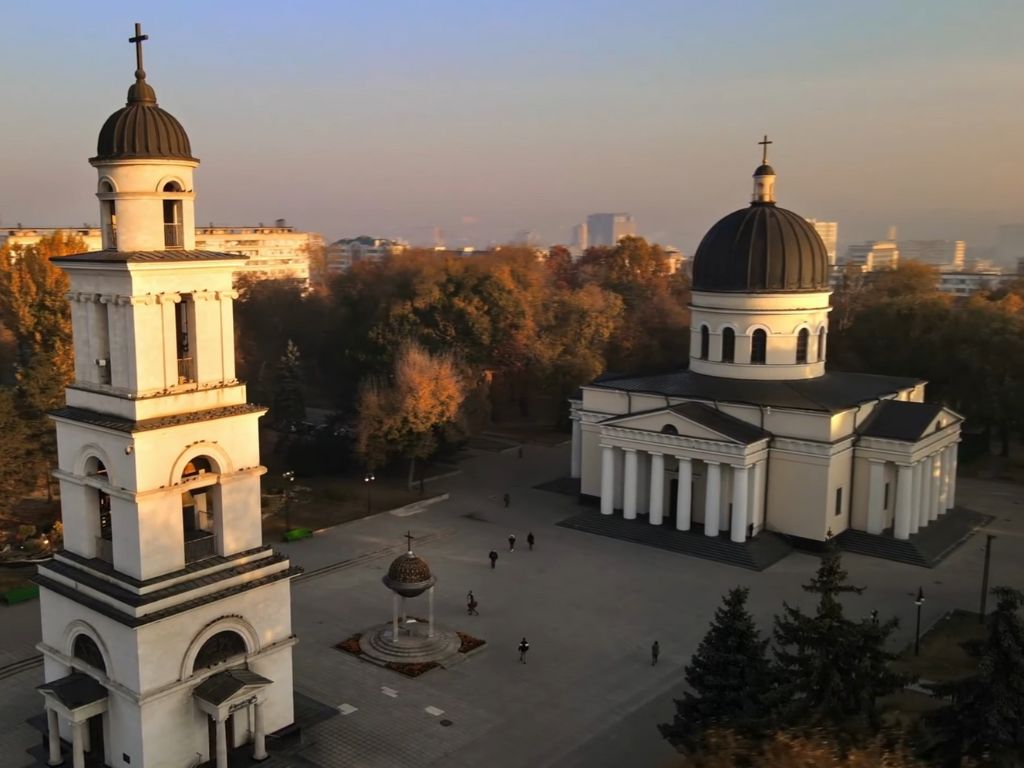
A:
(985, 720)
(289, 404)
(831, 669)
(729, 677)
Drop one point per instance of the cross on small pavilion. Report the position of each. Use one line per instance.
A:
(408, 536)
(138, 39)
(764, 152)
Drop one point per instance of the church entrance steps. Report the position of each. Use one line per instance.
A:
(570, 486)
(926, 548)
(756, 554)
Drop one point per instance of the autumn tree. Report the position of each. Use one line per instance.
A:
(404, 414)
(831, 669)
(289, 402)
(729, 678)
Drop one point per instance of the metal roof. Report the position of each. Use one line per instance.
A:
(138, 257)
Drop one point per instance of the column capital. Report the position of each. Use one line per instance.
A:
(712, 463)
(655, 453)
(169, 298)
(740, 467)
(876, 461)
(629, 450)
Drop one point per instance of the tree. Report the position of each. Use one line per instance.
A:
(289, 404)
(405, 414)
(18, 454)
(831, 669)
(730, 679)
(985, 719)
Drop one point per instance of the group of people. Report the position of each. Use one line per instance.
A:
(530, 541)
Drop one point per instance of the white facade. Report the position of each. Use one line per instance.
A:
(91, 236)
(608, 228)
(166, 622)
(279, 252)
(828, 231)
(342, 254)
(873, 255)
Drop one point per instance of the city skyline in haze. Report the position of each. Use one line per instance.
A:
(391, 121)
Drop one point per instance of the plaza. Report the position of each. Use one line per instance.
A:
(589, 605)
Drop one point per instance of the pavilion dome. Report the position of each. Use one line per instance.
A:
(142, 130)
(409, 575)
(761, 249)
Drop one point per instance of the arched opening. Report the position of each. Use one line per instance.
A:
(669, 429)
(821, 345)
(174, 231)
(86, 650)
(198, 510)
(759, 347)
(108, 218)
(221, 647)
(728, 345)
(801, 345)
(99, 500)
(705, 342)
(185, 337)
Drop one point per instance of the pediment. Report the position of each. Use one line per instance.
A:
(693, 420)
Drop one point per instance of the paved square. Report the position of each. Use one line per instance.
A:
(590, 607)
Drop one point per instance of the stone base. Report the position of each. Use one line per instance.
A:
(412, 645)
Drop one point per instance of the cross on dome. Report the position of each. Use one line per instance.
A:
(138, 39)
(409, 537)
(764, 144)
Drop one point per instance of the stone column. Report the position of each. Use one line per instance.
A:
(926, 490)
(430, 615)
(876, 494)
(919, 500)
(53, 736)
(904, 501)
(394, 617)
(951, 495)
(657, 505)
(943, 478)
(712, 497)
(577, 449)
(738, 532)
(259, 734)
(684, 494)
(629, 486)
(607, 480)
(757, 497)
(222, 742)
(78, 746)
(935, 496)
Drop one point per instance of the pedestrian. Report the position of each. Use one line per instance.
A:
(655, 650)
(494, 558)
(507, 499)
(471, 605)
(524, 646)
(511, 542)
(530, 540)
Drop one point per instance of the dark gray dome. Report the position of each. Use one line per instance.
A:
(764, 249)
(764, 170)
(140, 129)
(409, 575)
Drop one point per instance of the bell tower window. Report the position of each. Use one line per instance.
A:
(759, 347)
(705, 342)
(198, 510)
(109, 214)
(174, 231)
(185, 338)
(728, 345)
(802, 339)
(821, 345)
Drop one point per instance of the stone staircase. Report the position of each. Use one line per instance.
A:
(754, 554)
(926, 548)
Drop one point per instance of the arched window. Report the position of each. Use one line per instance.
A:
(185, 337)
(705, 342)
(174, 231)
(198, 510)
(728, 345)
(759, 347)
(669, 429)
(821, 345)
(218, 649)
(85, 648)
(801, 345)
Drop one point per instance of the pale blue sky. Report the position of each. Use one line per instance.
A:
(486, 118)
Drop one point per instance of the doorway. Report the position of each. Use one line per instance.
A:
(95, 755)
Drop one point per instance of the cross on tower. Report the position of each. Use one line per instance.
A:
(140, 73)
(408, 536)
(764, 144)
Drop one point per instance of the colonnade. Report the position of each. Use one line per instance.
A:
(924, 490)
(643, 490)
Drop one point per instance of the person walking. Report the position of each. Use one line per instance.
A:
(524, 646)
(511, 542)
(494, 558)
(471, 605)
(530, 540)
(655, 650)
(507, 499)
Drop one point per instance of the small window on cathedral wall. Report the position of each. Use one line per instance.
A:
(758, 347)
(728, 345)
(839, 501)
(821, 345)
(801, 345)
(705, 342)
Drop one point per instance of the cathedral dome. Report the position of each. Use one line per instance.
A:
(140, 129)
(409, 575)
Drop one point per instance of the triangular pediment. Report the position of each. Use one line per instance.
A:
(908, 422)
(694, 420)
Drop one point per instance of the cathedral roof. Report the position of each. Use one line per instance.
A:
(900, 420)
(761, 248)
(728, 426)
(136, 257)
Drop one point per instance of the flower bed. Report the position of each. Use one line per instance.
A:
(410, 669)
(469, 643)
(351, 645)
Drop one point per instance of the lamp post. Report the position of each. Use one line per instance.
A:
(984, 576)
(289, 478)
(368, 479)
(917, 632)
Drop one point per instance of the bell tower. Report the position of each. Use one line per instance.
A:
(166, 621)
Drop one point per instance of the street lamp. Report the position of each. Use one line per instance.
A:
(289, 478)
(368, 479)
(917, 632)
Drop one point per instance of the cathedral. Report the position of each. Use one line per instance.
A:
(755, 435)
(166, 620)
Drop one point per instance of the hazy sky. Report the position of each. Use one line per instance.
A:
(484, 118)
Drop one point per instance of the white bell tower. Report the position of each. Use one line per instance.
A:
(166, 621)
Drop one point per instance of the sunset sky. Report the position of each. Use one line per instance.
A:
(485, 118)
